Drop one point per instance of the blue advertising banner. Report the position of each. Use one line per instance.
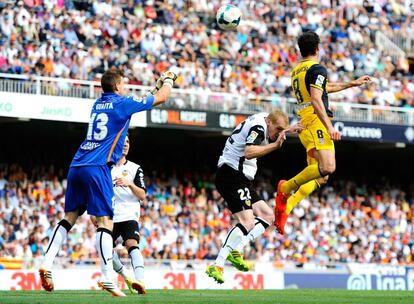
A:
(362, 131)
(215, 121)
(356, 281)
(375, 132)
(316, 280)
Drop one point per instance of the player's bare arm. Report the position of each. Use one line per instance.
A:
(296, 128)
(162, 95)
(317, 103)
(340, 86)
(254, 151)
(123, 182)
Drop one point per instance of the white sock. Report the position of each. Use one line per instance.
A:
(58, 237)
(235, 236)
(118, 266)
(258, 229)
(137, 262)
(104, 246)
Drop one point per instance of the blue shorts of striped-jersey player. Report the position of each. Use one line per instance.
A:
(90, 188)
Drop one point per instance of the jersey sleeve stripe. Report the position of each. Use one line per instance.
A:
(316, 87)
(115, 142)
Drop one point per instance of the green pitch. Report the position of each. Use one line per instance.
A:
(299, 296)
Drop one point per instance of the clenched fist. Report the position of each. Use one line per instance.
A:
(166, 78)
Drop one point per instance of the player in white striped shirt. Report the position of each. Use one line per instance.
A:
(129, 190)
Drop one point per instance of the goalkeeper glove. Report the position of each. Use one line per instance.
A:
(166, 78)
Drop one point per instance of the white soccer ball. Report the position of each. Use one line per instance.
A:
(228, 17)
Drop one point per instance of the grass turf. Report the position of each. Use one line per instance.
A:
(212, 296)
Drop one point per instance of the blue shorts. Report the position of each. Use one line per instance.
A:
(90, 188)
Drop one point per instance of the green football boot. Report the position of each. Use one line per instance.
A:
(216, 273)
(129, 282)
(236, 259)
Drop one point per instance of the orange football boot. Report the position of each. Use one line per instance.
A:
(280, 209)
(46, 279)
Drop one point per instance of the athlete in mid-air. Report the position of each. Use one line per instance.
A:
(89, 182)
(258, 135)
(311, 87)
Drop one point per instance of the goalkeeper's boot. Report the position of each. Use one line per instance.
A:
(109, 286)
(129, 282)
(236, 259)
(280, 209)
(215, 272)
(46, 279)
(139, 287)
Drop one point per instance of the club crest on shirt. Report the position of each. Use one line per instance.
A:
(125, 173)
(251, 138)
(320, 80)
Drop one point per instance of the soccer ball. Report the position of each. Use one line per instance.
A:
(228, 17)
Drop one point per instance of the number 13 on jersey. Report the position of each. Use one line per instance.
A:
(100, 130)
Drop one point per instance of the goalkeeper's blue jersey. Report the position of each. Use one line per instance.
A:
(107, 129)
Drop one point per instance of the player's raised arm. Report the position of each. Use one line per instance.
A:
(162, 90)
(277, 125)
(340, 86)
(296, 128)
(254, 151)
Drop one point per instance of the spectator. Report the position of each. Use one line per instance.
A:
(257, 60)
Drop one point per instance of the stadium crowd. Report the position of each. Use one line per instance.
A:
(81, 39)
(185, 218)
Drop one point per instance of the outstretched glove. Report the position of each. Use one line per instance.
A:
(166, 78)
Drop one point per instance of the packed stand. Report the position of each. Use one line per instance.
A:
(184, 218)
(81, 39)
